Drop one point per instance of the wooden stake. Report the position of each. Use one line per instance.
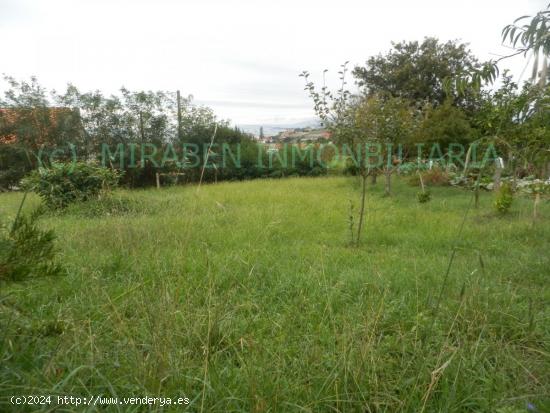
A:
(421, 181)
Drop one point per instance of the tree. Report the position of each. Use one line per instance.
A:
(33, 120)
(389, 122)
(26, 117)
(532, 37)
(337, 112)
(29, 124)
(517, 121)
(444, 125)
(417, 71)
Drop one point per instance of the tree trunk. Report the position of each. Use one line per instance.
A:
(141, 128)
(514, 176)
(388, 181)
(178, 98)
(373, 176)
(362, 212)
(535, 206)
(476, 194)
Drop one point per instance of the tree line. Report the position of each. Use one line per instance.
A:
(38, 126)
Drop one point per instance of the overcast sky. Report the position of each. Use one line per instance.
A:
(242, 58)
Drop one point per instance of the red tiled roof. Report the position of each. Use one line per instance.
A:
(11, 116)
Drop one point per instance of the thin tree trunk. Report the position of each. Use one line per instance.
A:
(178, 98)
(515, 175)
(141, 128)
(388, 181)
(476, 191)
(467, 161)
(535, 206)
(362, 212)
(373, 176)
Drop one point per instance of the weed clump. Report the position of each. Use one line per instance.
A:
(423, 197)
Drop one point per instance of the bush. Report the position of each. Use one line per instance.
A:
(13, 166)
(410, 168)
(65, 183)
(434, 177)
(317, 171)
(504, 198)
(423, 197)
(26, 251)
(277, 173)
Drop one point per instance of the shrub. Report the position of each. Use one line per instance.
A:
(434, 177)
(65, 183)
(317, 171)
(504, 198)
(471, 180)
(13, 166)
(423, 196)
(351, 169)
(410, 168)
(26, 251)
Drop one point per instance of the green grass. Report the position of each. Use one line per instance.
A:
(248, 297)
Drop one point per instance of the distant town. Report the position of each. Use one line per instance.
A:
(294, 135)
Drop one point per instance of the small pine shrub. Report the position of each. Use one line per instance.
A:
(504, 198)
(65, 183)
(424, 197)
(26, 251)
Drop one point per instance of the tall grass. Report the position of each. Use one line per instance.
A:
(247, 297)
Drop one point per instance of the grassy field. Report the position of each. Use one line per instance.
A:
(248, 297)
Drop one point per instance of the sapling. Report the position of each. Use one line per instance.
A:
(337, 113)
(504, 198)
(26, 250)
(423, 196)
